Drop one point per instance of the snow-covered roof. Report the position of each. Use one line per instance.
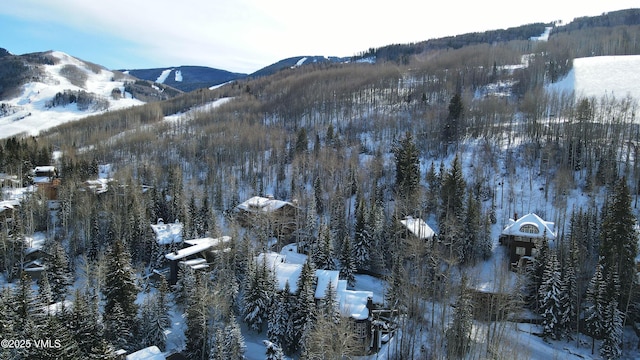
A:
(44, 169)
(148, 353)
(167, 233)
(8, 205)
(290, 273)
(530, 225)
(98, 186)
(265, 204)
(199, 245)
(326, 277)
(353, 303)
(418, 227)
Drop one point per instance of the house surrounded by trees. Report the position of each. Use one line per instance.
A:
(523, 236)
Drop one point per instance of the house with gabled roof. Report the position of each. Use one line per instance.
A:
(355, 305)
(523, 236)
(277, 216)
(418, 228)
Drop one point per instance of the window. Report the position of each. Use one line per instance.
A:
(520, 250)
(529, 229)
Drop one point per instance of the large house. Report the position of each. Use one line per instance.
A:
(46, 180)
(197, 255)
(277, 217)
(522, 237)
(355, 305)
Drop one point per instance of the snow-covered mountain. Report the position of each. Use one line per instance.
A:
(186, 78)
(61, 88)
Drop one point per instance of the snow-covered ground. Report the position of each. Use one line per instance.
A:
(32, 116)
(603, 75)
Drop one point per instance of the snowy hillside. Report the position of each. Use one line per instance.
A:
(30, 111)
(603, 75)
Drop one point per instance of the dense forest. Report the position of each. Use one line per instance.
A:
(461, 134)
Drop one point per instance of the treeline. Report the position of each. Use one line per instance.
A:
(402, 52)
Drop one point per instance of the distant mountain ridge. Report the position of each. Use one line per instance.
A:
(189, 78)
(186, 78)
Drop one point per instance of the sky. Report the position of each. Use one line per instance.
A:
(246, 35)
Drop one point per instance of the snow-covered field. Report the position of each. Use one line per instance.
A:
(32, 115)
(598, 76)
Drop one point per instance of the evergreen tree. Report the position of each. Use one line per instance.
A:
(233, 341)
(85, 325)
(7, 320)
(118, 327)
(120, 293)
(362, 239)
(395, 294)
(619, 241)
(550, 298)
(451, 219)
(459, 332)
(273, 352)
(611, 347)
(453, 122)
(152, 329)
(595, 303)
(281, 328)
(407, 158)
(347, 262)
(472, 224)
(569, 298)
(58, 272)
(304, 315)
(258, 296)
(323, 257)
(197, 314)
(60, 335)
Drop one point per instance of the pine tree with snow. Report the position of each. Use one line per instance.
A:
(197, 314)
(120, 292)
(217, 351)
(619, 241)
(347, 262)
(118, 327)
(407, 159)
(329, 306)
(152, 328)
(304, 316)
(280, 328)
(7, 320)
(233, 341)
(85, 325)
(324, 257)
(273, 352)
(395, 294)
(102, 351)
(55, 330)
(58, 272)
(569, 297)
(459, 332)
(550, 298)
(595, 303)
(258, 296)
(470, 246)
(362, 236)
(611, 347)
(45, 296)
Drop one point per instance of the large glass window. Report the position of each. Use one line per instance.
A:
(529, 229)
